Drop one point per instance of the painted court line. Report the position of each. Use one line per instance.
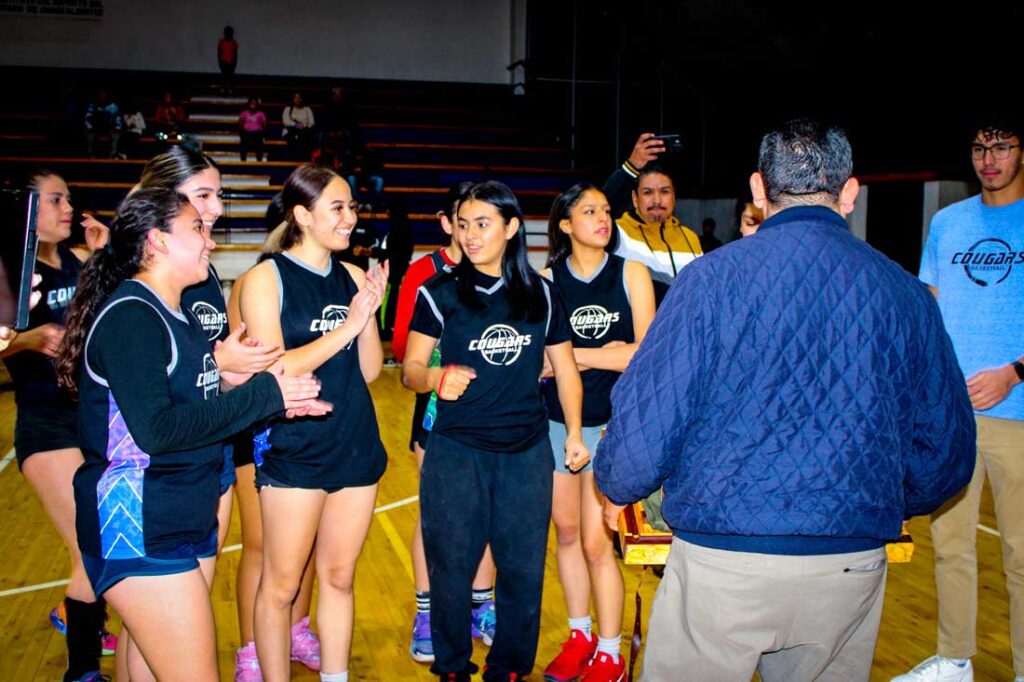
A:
(6, 460)
(230, 548)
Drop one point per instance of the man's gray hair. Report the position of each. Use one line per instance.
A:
(801, 158)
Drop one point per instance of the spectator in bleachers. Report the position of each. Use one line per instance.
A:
(363, 243)
(134, 127)
(169, 114)
(751, 218)
(708, 241)
(397, 250)
(339, 114)
(227, 58)
(252, 127)
(103, 120)
(360, 166)
(325, 156)
(298, 121)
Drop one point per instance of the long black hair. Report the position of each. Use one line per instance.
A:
(122, 258)
(559, 243)
(525, 290)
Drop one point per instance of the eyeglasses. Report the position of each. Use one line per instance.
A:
(1000, 151)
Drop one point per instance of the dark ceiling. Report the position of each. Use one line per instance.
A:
(906, 79)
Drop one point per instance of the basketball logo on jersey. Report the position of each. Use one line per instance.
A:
(332, 317)
(988, 261)
(213, 320)
(592, 321)
(500, 344)
(209, 378)
(59, 298)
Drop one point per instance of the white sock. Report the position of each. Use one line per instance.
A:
(585, 624)
(609, 646)
(334, 677)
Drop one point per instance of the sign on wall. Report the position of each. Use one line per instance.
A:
(75, 9)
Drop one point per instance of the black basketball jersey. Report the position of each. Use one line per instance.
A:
(343, 448)
(502, 409)
(35, 381)
(599, 312)
(206, 301)
(139, 504)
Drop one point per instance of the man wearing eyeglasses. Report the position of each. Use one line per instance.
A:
(973, 262)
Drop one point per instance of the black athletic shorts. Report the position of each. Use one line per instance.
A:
(41, 428)
(419, 434)
(242, 449)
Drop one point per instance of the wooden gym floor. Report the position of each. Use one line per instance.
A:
(34, 562)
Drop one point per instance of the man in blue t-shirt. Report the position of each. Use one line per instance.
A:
(973, 262)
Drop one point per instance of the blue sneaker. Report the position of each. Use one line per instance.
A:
(94, 676)
(483, 622)
(421, 649)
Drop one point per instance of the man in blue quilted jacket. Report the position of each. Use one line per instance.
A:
(797, 398)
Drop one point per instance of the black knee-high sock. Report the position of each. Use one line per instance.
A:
(85, 630)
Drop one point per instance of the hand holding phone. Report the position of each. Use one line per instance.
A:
(18, 246)
(673, 143)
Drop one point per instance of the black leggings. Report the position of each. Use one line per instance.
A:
(469, 498)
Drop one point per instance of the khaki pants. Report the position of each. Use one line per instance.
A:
(954, 530)
(719, 615)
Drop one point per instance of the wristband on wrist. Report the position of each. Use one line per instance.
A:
(1018, 367)
(440, 382)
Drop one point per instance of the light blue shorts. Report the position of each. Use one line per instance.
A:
(557, 434)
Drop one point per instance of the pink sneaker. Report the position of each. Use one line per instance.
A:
(247, 666)
(305, 645)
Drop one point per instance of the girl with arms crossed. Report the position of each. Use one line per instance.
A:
(611, 305)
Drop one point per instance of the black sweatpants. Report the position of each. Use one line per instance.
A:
(470, 497)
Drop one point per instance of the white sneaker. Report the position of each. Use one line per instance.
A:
(939, 669)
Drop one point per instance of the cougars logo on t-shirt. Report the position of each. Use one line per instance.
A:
(592, 321)
(500, 344)
(60, 298)
(209, 378)
(213, 320)
(988, 261)
(332, 317)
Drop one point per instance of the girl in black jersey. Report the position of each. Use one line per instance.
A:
(611, 304)
(317, 478)
(151, 424)
(486, 476)
(482, 623)
(305, 643)
(197, 177)
(45, 434)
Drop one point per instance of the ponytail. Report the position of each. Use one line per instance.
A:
(559, 243)
(122, 258)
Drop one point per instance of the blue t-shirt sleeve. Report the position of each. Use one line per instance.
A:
(929, 272)
(426, 315)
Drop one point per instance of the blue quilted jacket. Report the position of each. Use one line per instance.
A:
(796, 394)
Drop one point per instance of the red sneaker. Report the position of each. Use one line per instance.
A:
(571, 663)
(604, 669)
